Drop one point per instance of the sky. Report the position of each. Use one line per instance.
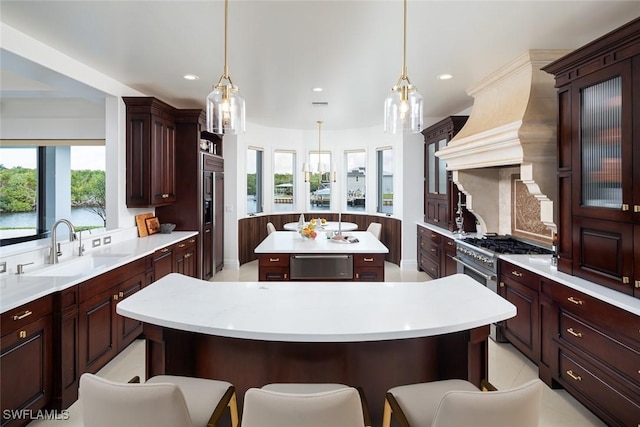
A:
(81, 158)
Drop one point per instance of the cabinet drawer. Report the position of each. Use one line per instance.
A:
(600, 346)
(519, 274)
(17, 318)
(618, 406)
(431, 235)
(274, 273)
(185, 244)
(274, 260)
(449, 245)
(374, 274)
(615, 320)
(365, 260)
(429, 265)
(429, 247)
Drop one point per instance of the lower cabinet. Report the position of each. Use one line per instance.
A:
(25, 361)
(448, 264)
(186, 257)
(273, 267)
(521, 288)
(368, 267)
(581, 343)
(436, 253)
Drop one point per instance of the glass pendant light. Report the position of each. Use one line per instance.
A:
(225, 107)
(403, 106)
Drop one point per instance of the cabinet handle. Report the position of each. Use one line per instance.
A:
(433, 250)
(26, 313)
(367, 259)
(164, 250)
(433, 235)
(115, 297)
(625, 279)
(574, 376)
(285, 275)
(121, 294)
(22, 334)
(192, 241)
(188, 255)
(165, 196)
(357, 275)
(274, 259)
(574, 333)
(435, 220)
(637, 284)
(502, 284)
(516, 273)
(575, 301)
(636, 208)
(182, 245)
(625, 207)
(450, 243)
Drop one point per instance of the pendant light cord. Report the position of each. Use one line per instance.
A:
(404, 75)
(225, 74)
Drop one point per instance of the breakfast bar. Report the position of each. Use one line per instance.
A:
(372, 335)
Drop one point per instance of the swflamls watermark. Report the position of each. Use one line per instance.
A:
(30, 414)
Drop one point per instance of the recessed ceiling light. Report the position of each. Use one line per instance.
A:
(445, 77)
(190, 77)
(317, 89)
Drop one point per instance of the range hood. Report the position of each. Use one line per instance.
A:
(512, 123)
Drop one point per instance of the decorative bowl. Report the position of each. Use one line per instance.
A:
(167, 228)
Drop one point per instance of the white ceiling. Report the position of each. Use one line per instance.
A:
(280, 50)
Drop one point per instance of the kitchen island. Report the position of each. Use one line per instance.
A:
(285, 255)
(373, 335)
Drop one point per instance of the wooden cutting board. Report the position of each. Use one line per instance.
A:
(142, 223)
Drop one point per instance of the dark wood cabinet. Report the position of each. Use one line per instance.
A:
(368, 267)
(429, 248)
(150, 148)
(163, 263)
(596, 354)
(598, 146)
(440, 193)
(273, 267)
(200, 190)
(26, 354)
(185, 257)
(448, 264)
(521, 288)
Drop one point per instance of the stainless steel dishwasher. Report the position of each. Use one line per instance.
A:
(321, 267)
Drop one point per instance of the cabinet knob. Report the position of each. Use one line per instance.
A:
(636, 208)
(121, 294)
(115, 297)
(502, 284)
(637, 284)
(625, 279)
(182, 245)
(22, 334)
(188, 255)
(357, 275)
(164, 250)
(165, 196)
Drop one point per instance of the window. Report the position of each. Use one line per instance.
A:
(254, 180)
(385, 180)
(356, 180)
(283, 183)
(39, 185)
(320, 181)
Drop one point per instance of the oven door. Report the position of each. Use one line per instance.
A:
(488, 279)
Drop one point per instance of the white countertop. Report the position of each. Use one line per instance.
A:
(16, 290)
(541, 265)
(327, 226)
(317, 311)
(293, 243)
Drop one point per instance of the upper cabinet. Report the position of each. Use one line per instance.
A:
(598, 145)
(151, 143)
(440, 193)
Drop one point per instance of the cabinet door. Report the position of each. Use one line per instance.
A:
(26, 369)
(185, 258)
(162, 263)
(448, 265)
(163, 140)
(128, 329)
(522, 330)
(602, 144)
(98, 335)
(218, 214)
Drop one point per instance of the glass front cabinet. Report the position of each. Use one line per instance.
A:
(598, 146)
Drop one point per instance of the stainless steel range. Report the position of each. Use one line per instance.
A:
(478, 258)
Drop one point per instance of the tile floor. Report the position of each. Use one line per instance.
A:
(507, 367)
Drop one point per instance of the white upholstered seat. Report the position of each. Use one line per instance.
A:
(270, 228)
(268, 408)
(163, 401)
(375, 228)
(457, 403)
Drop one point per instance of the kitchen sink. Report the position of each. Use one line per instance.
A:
(78, 266)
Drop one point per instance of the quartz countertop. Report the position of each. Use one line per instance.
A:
(541, 265)
(317, 311)
(293, 242)
(16, 290)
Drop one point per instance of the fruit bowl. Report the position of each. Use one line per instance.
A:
(308, 232)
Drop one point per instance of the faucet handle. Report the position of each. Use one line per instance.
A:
(20, 268)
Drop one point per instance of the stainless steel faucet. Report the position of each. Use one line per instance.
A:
(55, 250)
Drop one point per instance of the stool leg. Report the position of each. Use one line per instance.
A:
(386, 414)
